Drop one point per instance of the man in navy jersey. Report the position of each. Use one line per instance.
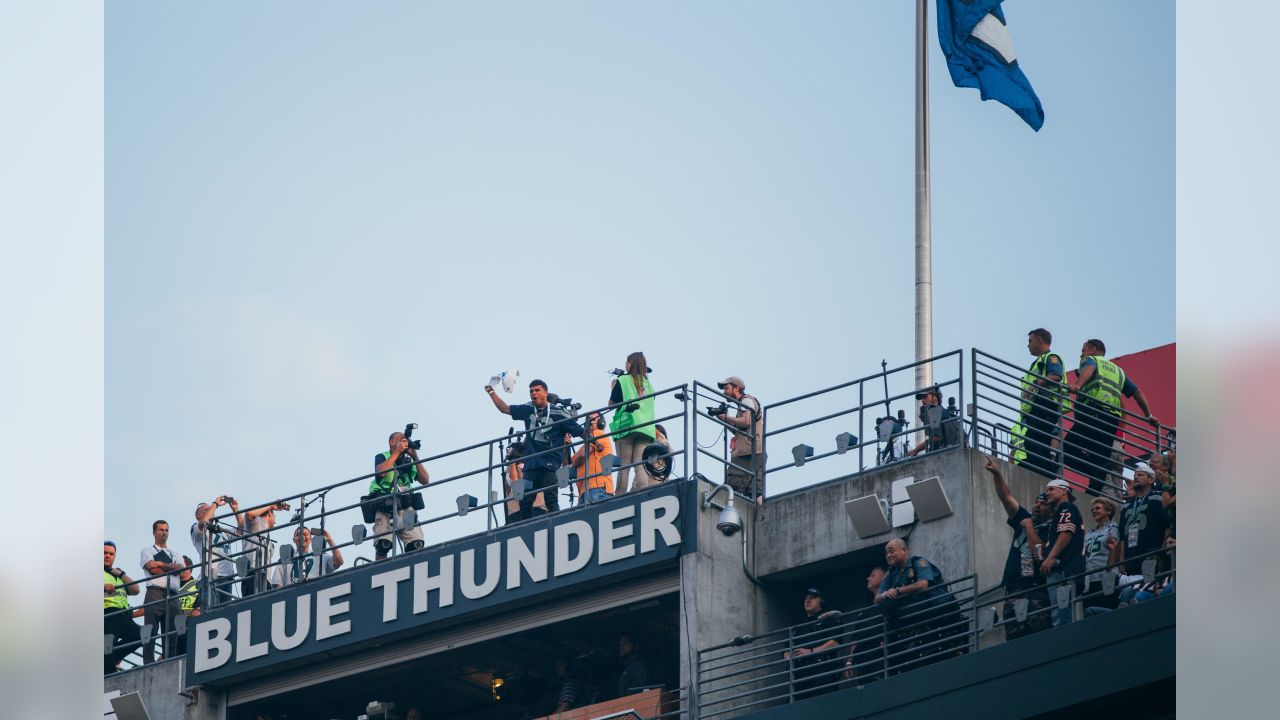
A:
(1022, 567)
(1064, 548)
(1143, 522)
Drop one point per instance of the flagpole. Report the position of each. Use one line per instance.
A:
(924, 262)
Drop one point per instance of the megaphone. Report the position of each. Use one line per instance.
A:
(507, 380)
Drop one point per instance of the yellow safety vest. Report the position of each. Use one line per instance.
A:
(1106, 385)
(117, 599)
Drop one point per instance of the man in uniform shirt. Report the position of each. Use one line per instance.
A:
(1022, 567)
(1143, 522)
(1035, 437)
(188, 601)
(1099, 385)
(814, 657)
(117, 618)
(909, 596)
(1064, 548)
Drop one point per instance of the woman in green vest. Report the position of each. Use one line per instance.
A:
(634, 413)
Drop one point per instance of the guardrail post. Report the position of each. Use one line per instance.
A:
(791, 664)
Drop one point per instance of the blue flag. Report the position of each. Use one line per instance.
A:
(980, 55)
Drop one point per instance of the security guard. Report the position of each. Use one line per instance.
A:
(188, 599)
(1100, 387)
(117, 616)
(1044, 399)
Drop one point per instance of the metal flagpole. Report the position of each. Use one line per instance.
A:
(924, 263)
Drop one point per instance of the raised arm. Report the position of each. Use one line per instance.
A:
(1002, 488)
(497, 401)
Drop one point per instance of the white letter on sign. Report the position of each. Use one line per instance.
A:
(390, 581)
(213, 644)
(281, 641)
(245, 649)
(586, 540)
(326, 609)
(610, 532)
(658, 517)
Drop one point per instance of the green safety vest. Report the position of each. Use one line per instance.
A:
(117, 599)
(623, 420)
(1039, 368)
(187, 602)
(1105, 386)
(383, 484)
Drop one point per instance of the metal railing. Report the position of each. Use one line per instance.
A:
(1047, 429)
(822, 431)
(748, 674)
(479, 467)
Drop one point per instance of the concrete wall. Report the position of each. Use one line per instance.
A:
(159, 685)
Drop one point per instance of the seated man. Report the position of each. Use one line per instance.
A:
(814, 657)
(304, 565)
(635, 676)
(946, 433)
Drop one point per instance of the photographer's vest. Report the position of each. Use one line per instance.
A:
(401, 474)
(117, 598)
(743, 443)
(189, 594)
(623, 420)
(1106, 384)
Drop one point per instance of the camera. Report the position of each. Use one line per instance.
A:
(566, 403)
(228, 499)
(408, 435)
(721, 409)
(282, 505)
(515, 450)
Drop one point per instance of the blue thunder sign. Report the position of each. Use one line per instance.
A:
(353, 608)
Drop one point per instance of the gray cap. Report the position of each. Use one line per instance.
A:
(732, 379)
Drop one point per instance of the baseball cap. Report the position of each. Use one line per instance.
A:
(1144, 468)
(1060, 483)
(1042, 497)
(732, 379)
(928, 391)
(813, 591)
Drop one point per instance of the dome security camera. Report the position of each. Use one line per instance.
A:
(729, 523)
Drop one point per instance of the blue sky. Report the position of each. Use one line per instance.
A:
(325, 221)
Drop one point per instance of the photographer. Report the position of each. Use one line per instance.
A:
(946, 434)
(746, 448)
(636, 414)
(514, 476)
(261, 549)
(546, 426)
(596, 484)
(221, 570)
(396, 470)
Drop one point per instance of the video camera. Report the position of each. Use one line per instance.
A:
(408, 435)
(567, 404)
